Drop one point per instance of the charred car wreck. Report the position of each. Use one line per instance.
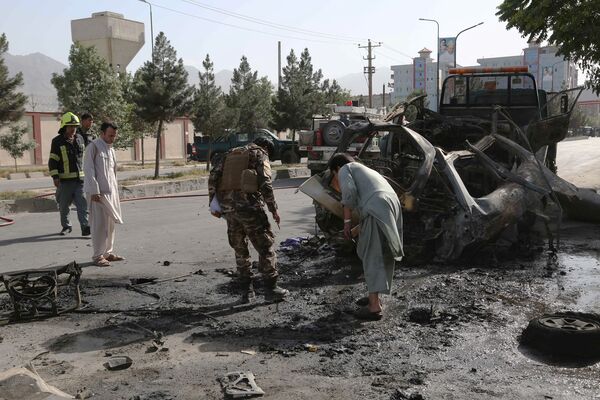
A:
(480, 170)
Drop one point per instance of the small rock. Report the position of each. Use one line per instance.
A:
(473, 370)
(166, 263)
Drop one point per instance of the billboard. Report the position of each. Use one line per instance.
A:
(447, 48)
(547, 75)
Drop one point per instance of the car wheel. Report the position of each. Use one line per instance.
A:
(333, 132)
(565, 334)
(290, 157)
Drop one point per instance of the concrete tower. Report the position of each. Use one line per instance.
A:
(116, 39)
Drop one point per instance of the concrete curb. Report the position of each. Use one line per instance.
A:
(151, 189)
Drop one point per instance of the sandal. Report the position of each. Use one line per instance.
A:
(101, 262)
(114, 257)
(368, 315)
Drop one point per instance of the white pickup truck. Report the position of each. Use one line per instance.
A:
(321, 142)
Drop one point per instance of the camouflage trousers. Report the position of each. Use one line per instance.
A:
(253, 225)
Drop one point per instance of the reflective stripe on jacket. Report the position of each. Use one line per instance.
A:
(66, 159)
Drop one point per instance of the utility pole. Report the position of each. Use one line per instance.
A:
(383, 98)
(370, 70)
(278, 65)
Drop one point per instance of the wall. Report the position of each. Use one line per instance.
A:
(43, 127)
(29, 157)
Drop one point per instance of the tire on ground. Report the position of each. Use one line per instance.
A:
(333, 132)
(290, 157)
(564, 334)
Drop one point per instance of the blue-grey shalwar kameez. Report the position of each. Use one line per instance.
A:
(380, 239)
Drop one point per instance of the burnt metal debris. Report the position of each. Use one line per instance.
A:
(40, 293)
(240, 385)
(465, 181)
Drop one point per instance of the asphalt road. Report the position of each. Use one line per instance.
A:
(179, 230)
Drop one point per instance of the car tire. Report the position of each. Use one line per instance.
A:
(290, 157)
(333, 132)
(564, 334)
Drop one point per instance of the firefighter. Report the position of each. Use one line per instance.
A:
(241, 182)
(66, 169)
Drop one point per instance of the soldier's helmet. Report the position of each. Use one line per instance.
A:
(265, 144)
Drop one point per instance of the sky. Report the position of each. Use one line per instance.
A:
(331, 30)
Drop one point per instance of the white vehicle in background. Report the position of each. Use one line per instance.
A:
(321, 142)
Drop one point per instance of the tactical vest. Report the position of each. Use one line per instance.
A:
(236, 175)
(235, 163)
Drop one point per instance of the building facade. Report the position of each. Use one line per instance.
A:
(419, 75)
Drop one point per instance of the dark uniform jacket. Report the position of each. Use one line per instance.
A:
(87, 138)
(66, 159)
(237, 200)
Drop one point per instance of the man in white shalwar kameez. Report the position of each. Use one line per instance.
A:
(380, 238)
(102, 191)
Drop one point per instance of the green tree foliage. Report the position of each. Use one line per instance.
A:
(209, 103)
(300, 95)
(12, 102)
(14, 143)
(570, 25)
(333, 93)
(136, 127)
(89, 84)
(249, 99)
(210, 116)
(161, 91)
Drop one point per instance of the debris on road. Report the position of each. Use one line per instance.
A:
(117, 363)
(240, 384)
(37, 293)
(567, 334)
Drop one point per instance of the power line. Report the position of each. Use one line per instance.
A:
(245, 28)
(273, 24)
(378, 52)
(397, 51)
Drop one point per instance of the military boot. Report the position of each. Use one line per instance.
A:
(274, 292)
(247, 289)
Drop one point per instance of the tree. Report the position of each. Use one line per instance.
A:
(300, 96)
(333, 93)
(209, 115)
(249, 98)
(570, 25)
(12, 102)
(91, 85)
(14, 144)
(161, 91)
(136, 127)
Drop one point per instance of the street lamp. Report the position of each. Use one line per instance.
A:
(456, 39)
(437, 62)
(151, 29)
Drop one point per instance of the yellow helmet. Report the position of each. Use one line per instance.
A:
(69, 119)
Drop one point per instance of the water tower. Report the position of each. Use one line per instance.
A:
(115, 38)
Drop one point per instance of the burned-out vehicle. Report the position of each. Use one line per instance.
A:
(479, 170)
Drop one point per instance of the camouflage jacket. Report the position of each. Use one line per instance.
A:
(236, 200)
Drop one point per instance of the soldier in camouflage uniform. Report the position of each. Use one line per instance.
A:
(243, 210)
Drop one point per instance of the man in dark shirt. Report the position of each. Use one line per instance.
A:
(66, 169)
